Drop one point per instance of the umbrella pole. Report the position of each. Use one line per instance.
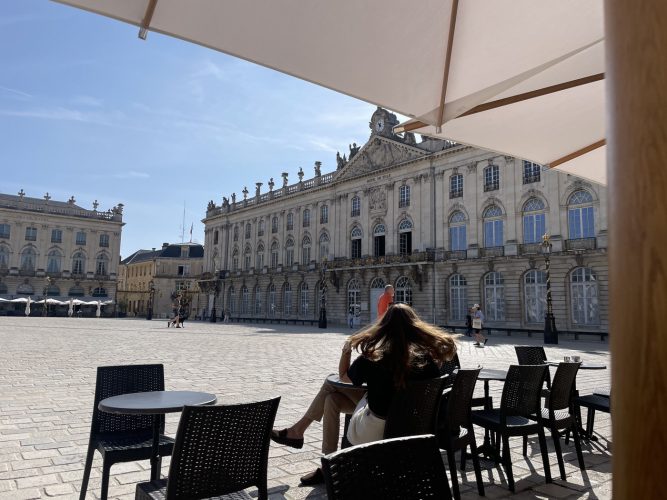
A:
(636, 52)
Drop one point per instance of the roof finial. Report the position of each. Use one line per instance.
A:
(21, 194)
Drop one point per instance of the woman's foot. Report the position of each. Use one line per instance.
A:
(283, 437)
(315, 477)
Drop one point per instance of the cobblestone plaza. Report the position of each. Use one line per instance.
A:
(47, 381)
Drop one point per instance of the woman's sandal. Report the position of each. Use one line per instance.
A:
(280, 437)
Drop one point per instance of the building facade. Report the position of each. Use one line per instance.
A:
(155, 279)
(58, 249)
(447, 224)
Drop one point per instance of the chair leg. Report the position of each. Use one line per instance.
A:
(451, 458)
(525, 446)
(567, 435)
(463, 458)
(475, 464)
(545, 454)
(590, 421)
(106, 471)
(577, 446)
(507, 462)
(86, 471)
(559, 453)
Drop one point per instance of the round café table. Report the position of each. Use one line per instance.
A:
(155, 403)
(335, 381)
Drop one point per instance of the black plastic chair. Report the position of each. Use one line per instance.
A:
(414, 410)
(594, 402)
(123, 438)
(455, 431)
(219, 450)
(391, 469)
(559, 413)
(519, 413)
(533, 355)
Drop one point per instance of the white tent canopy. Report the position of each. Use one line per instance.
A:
(529, 74)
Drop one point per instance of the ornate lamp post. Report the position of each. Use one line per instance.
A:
(322, 323)
(550, 332)
(151, 296)
(47, 285)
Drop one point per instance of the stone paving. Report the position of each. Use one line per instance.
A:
(47, 379)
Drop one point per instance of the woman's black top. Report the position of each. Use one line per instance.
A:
(379, 378)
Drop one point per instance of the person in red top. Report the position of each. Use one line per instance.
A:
(385, 300)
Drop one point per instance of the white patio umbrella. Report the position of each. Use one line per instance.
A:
(517, 76)
(99, 309)
(70, 310)
(27, 306)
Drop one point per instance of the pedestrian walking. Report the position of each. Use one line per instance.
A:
(477, 325)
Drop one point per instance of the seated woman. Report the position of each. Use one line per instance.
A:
(397, 348)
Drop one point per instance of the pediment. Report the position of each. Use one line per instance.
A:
(378, 153)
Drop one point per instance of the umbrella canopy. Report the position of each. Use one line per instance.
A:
(27, 307)
(515, 76)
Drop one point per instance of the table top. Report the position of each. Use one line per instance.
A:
(334, 380)
(492, 374)
(583, 366)
(155, 402)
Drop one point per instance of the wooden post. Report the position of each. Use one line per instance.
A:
(636, 40)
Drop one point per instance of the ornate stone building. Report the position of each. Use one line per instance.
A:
(58, 249)
(155, 276)
(447, 224)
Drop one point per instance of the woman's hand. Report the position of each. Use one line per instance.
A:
(347, 347)
(344, 363)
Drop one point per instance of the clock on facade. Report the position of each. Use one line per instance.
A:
(379, 125)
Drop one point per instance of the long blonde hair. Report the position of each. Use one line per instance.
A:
(403, 339)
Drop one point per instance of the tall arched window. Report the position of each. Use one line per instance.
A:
(305, 250)
(28, 258)
(491, 178)
(235, 259)
(378, 283)
(27, 289)
(245, 300)
(289, 252)
(324, 246)
(355, 242)
(258, 300)
(102, 265)
(458, 297)
(404, 196)
(236, 233)
(356, 207)
(456, 186)
(100, 292)
(306, 218)
(584, 293)
(405, 237)
(4, 257)
(580, 215)
(287, 299)
(493, 227)
(354, 297)
(247, 258)
(260, 227)
(535, 295)
(304, 304)
(458, 240)
(79, 263)
(216, 237)
(274, 225)
(379, 234)
(290, 221)
(271, 300)
(403, 291)
(324, 214)
(54, 291)
(275, 250)
(54, 261)
(494, 297)
(534, 221)
(231, 300)
(248, 231)
(259, 258)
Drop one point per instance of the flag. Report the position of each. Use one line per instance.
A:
(191, 226)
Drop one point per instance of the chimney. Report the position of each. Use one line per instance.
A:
(165, 245)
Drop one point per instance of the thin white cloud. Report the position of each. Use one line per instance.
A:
(16, 92)
(131, 174)
(57, 113)
(86, 100)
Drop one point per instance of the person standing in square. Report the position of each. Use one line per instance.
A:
(386, 299)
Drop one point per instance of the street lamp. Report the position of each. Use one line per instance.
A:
(550, 332)
(47, 285)
(151, 295)
(322, 323)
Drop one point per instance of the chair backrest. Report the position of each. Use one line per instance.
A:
(459, 400)
(522, 390)
(530, 354)
(125, 379)
(221, 449)
(414, 409)
(448, 367)
(561, 387)
(401, 468)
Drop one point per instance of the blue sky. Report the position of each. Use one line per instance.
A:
(87, 109)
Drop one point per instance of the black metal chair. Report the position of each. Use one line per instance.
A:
(559, 413)
(219, 450)
(455, 431)
(533, 355)
(123, 438)
(593, 402)
(414, 410)
(519, 413)
(391, 469)
(449, 367)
